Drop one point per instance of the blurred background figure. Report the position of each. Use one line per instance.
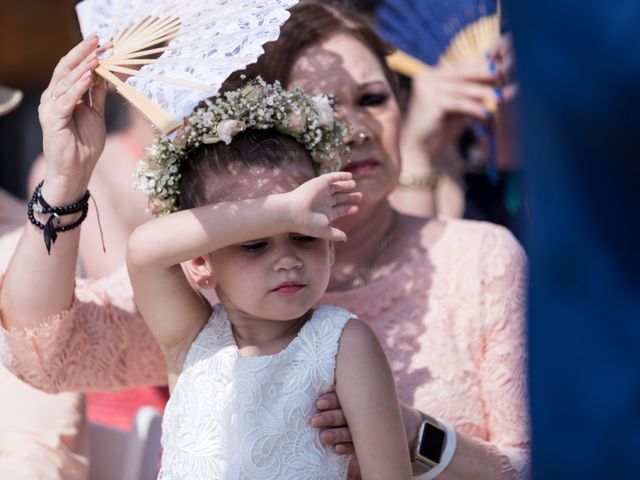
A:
(41, 435)
(45, 30)
(579, 102)
(456, 136)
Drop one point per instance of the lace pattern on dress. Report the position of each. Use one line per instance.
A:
(451, 321)
(235, 417)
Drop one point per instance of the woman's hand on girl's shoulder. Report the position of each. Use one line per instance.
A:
(315, 204)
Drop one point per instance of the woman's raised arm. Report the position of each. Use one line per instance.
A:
(37, 285)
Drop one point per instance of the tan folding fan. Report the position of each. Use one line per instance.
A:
(165, 56)
(471, 43)
(437, 32)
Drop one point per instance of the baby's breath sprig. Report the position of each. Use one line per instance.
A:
(311, 121)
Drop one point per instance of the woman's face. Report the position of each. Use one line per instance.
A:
(347, 69)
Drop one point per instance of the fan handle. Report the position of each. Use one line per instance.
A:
(160, 118)
(405, 64)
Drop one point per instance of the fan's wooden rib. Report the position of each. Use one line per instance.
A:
(159, 27)
(163, 120)
(473, 41)
(149, 38)
(155, 28)
(179, 61)
(150, 42)
(405, 64)
(114, 21)
(125, 24)
(178, 82)
(173, 46)
(142, 24)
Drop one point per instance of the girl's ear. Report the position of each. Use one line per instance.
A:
(201, 272)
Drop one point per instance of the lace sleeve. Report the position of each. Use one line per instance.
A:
(503, 370)
(100, 343)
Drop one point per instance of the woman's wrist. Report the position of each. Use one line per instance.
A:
(412, 420)
(60, 190)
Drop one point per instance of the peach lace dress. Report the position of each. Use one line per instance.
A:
(451, 319)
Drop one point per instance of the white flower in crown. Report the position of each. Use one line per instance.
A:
(311, 121)
(225, 131)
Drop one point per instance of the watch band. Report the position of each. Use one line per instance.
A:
(435, 446)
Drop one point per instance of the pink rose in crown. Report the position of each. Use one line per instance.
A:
(296, 121)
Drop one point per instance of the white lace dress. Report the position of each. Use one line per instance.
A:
(238, 417)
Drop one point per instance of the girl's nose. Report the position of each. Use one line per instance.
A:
(287, 262)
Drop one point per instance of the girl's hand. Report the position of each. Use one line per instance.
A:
(73, 131)
(315, 204)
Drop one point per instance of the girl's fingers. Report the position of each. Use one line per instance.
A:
(343, 185)
(344, 211)
(334, 177)
(337, 235)
(346, 198)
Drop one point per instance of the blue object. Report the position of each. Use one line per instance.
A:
(424, 28)
(579, 74)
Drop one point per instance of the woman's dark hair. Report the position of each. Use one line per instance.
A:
(312, 22)
(205, 175)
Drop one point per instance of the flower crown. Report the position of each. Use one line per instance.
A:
(311, 121)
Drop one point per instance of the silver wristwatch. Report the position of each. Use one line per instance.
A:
(429, 445)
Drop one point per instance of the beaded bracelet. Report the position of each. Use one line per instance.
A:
(50, 229)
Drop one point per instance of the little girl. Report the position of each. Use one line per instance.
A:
(255, 226)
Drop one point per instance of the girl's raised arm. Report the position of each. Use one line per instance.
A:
(172, 309)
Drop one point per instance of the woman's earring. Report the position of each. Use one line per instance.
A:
(361, 136)
(206, 282)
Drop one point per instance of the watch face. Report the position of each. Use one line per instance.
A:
(432, 442)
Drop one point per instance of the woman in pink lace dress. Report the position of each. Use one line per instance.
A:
(446, 297)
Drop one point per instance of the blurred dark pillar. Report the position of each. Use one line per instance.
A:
(579, 68)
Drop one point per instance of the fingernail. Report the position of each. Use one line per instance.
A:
(492, 67)
(322, 404)
(498, 92)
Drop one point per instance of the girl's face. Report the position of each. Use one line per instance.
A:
(347, 69)
(273, 278)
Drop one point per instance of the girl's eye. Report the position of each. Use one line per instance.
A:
(373, 99)
(303, 239)
(254, 247)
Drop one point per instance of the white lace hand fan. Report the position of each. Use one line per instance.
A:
(176, 53)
